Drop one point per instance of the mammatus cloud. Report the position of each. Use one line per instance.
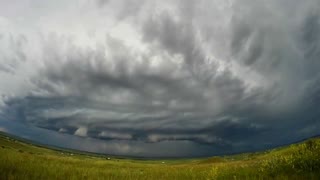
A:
(213, 76)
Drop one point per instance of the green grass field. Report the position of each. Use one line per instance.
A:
(22, 160)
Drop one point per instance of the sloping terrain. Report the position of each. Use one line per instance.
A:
(23, 160)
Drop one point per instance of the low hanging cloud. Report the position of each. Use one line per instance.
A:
(227, 75)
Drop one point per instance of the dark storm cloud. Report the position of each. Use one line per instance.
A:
(241, 77)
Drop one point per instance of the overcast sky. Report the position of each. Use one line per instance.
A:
(160, 78)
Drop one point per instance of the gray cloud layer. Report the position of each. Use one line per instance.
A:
(229, 75)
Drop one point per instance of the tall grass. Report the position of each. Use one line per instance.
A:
(19, 160)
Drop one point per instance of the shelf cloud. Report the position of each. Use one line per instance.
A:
(198, 77)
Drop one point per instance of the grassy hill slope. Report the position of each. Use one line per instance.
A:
(22, 160)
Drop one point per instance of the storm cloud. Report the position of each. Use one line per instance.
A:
(212, 76)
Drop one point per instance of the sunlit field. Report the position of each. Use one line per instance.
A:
(22, 160)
